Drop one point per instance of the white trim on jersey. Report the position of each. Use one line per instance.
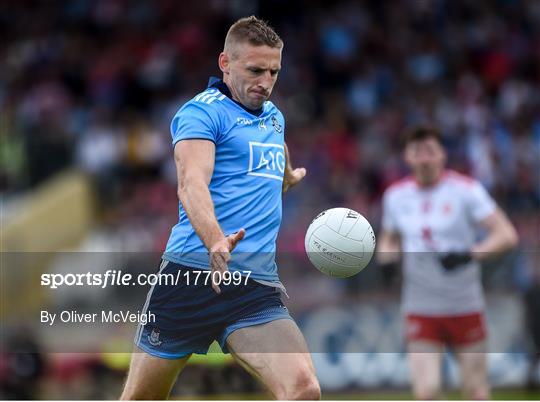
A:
(198, 97)
(206, 96)
(140, 327)
(213, 98)
(209, 96)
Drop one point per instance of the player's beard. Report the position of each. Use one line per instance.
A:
(429, 175)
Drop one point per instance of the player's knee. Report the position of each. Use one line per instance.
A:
(476, 392)
(304, 387)
(475, 383)
(310, 391)
(426, 395)
(426, 392)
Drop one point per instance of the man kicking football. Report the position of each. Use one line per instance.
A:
(233, 167)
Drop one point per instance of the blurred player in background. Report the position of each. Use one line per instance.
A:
(233, 167)
(432, 217)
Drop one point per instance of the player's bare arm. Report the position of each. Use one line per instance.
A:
(291, 177)
(501, 237)
(388, 247)
(388, 254)
(194, 165)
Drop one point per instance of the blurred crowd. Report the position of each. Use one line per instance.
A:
(95, 83)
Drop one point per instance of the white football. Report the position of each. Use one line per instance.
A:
(340, 242)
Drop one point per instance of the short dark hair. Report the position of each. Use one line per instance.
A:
(420, 133)
(254, 31)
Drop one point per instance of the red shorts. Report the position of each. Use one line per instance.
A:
(456, 330)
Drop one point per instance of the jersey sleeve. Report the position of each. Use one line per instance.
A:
(194, 122)
(481, 205)
(388, 223)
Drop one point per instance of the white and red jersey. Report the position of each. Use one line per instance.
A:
(433, 220)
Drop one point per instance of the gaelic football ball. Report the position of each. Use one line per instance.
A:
(340, 242)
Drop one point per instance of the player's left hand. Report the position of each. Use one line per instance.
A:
(453, 260)
(292, 177)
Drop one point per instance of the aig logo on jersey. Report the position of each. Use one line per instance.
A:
(266, 160)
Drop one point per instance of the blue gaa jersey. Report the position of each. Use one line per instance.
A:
(246, 182)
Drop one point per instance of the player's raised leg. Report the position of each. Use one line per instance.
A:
(277, 354)
(472, 360)
(150, 377)
(425, 360)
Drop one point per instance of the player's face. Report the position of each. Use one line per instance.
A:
(426, 158)
(251, 72)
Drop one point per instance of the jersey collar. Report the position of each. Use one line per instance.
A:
(215, 82)
(440, 179)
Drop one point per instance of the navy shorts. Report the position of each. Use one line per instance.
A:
(190, 316)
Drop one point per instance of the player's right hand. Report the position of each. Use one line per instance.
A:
(220, 255)
(389, 271)
(452, 261)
